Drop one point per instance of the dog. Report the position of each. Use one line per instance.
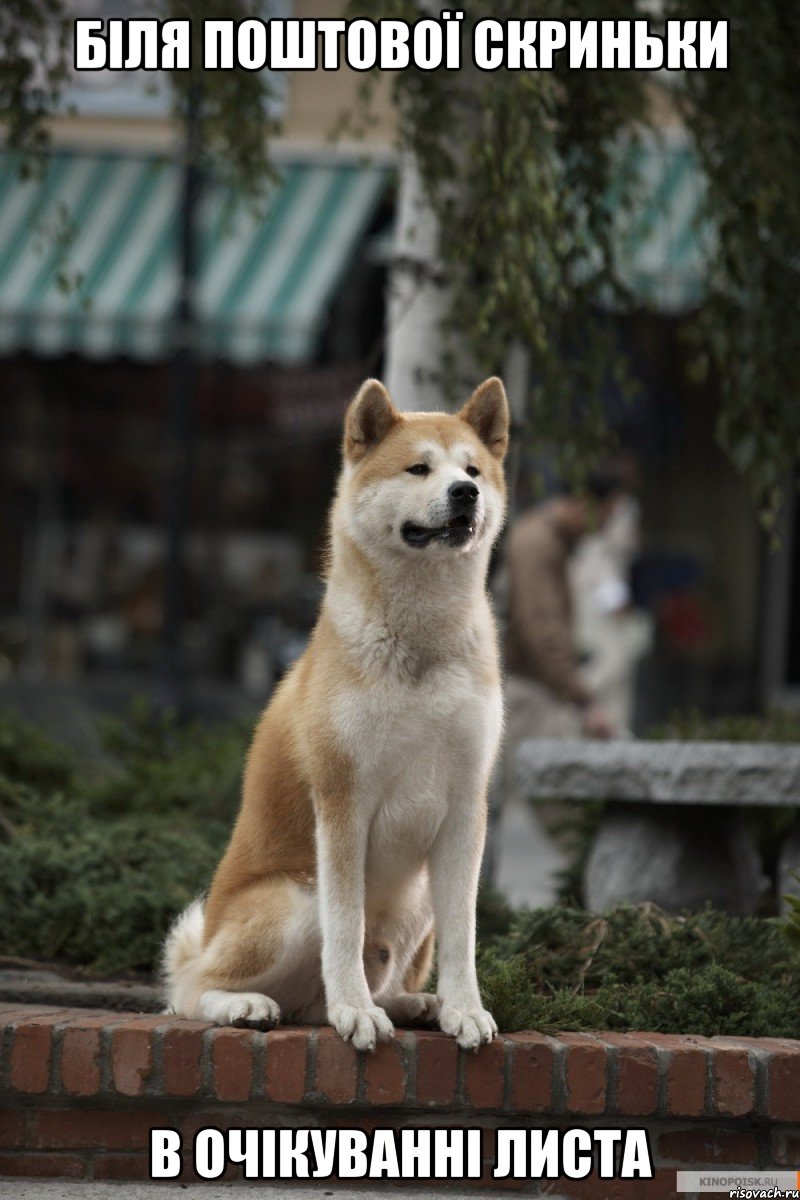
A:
(363, 812)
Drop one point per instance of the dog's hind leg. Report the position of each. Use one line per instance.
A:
(252, 1009)
(411, 1004)
(261, 959)
(419, 968)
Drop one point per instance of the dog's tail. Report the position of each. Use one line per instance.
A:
(182, 950)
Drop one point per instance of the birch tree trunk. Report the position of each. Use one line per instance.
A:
(417, 300)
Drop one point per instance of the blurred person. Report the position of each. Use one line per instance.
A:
(547, 695)
(611, 634)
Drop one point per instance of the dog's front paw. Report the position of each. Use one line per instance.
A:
(361, 1026)
(469, 1026)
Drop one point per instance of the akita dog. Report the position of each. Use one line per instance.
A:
(364, 799)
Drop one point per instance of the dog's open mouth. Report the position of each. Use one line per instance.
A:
(456, 532)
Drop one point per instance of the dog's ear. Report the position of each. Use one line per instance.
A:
(369, 418)
(487, 412)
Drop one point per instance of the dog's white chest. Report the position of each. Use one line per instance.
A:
(415, 751)
(392, 731)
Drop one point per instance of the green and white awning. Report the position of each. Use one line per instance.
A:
(89, 253)
(663, 246)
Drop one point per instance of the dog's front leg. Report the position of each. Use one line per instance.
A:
(341, 857)
(454, 866)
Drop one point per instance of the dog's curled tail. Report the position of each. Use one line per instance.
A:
(182, 950)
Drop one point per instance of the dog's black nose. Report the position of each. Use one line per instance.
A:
(462, 494)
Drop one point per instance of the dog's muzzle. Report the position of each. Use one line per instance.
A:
(462, 498)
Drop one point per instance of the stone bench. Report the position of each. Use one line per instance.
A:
(672, 832)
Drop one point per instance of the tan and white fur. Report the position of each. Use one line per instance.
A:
(363, 813)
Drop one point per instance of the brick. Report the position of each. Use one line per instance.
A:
(637, 1082)
(770, 1044)
(80, 1061)
(82, 1017)
(437, 1063)
(385, 1073)
(23, 1014)
(488, 1142)
(90, 1129)
(232, 1063)
(708, 1147)
(11, 1013)
(131, 1058)
(484, 1084)
(42, 1166)
(221, 1117)
(487, 1181)
(12, 1128)
(637, 1073)
(337, 1069)
(734, 1083)
(723, 1042)
(97, 1019)
(182, 1050)
(784, 1084)
(686, 1075)
(370, 1124)
(31, 1054)
(152, 1023)
(285, 1077)
(121, 1166)
(532, 1063)
(785, 1147)
(585, 1074)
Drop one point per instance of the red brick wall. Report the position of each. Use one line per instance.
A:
(80, 1091)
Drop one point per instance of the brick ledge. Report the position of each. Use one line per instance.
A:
(80, 1089)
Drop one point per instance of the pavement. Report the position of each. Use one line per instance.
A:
(58, 1189)
(28, 982)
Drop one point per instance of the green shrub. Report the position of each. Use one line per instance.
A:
(30, 756)
(100, 894)
(160, 765)
(567, 947)
(792, 923)
(692, 725)
(637, 968)
(95, 863)
(710, 1002)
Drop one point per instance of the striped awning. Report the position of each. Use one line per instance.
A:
(89, 257)
(663, 245)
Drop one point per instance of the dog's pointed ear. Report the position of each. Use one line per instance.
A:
(369, 418)
(487, 412)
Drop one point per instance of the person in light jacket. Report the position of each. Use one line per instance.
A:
(546, 693)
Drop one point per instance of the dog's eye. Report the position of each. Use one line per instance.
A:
(419, 469)
(472, 471)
